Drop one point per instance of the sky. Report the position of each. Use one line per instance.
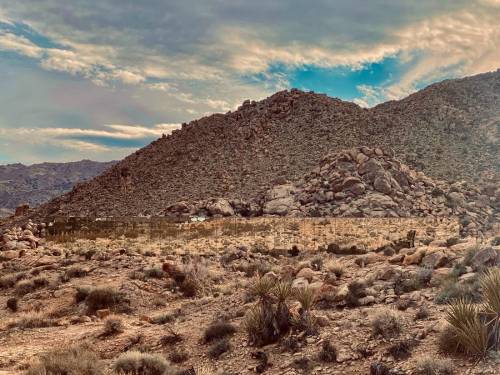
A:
(86, 79)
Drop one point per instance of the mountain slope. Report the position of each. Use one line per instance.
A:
(39, 183)
(449, 130)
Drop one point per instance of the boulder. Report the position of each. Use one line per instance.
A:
(486, 257)
(221, 207)
(280, 206)
(382, 184)
(436, 259)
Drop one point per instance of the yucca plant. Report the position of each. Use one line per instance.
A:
(470, 332)
(262, 287)
(490, 286)
(306, 297)
(282, 291)
(260, 325)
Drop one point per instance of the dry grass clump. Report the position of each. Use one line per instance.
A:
(27, 286)
(178, 356)
(154, 273)
(75, 361)
(387, 324)
(113, 325)
(164, 318)
(74, 272)
(434, 366)
(335, 267)
(217, 331)
(32, 319)
(137, 363)
(8, 281)
(218, 348)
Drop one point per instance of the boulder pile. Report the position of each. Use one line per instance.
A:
(371, 182)
(22, 238)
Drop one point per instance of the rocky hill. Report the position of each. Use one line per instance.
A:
(448, 130)
(39, 183)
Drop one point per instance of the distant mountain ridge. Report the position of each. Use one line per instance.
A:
(448, 130)
(39, 183)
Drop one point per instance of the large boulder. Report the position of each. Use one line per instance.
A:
(487, 257)
(280, 200)
(220, 206)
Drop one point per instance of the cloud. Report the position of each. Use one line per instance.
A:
(19, 44)
(167, 61)
(116, 131)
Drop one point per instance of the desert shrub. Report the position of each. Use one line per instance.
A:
(32, 319)
(466, 325)
(452, 289)
(154, 273)
(434, 366)
(75, 361)
(81, 293)
(422, 313)
(12, 304)
(356, 291)
(424, 275)
(113, 325)
(178, 356)
(137, 363)
(414, 282)
(217, 331)
(401, 349)
(404, 304)
(317, 263)
(218, 348)
(386, 324)
(103, 298)
(328, 352)
(190, 287)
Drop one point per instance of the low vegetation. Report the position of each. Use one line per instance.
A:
(137, 363)
(73, 361)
